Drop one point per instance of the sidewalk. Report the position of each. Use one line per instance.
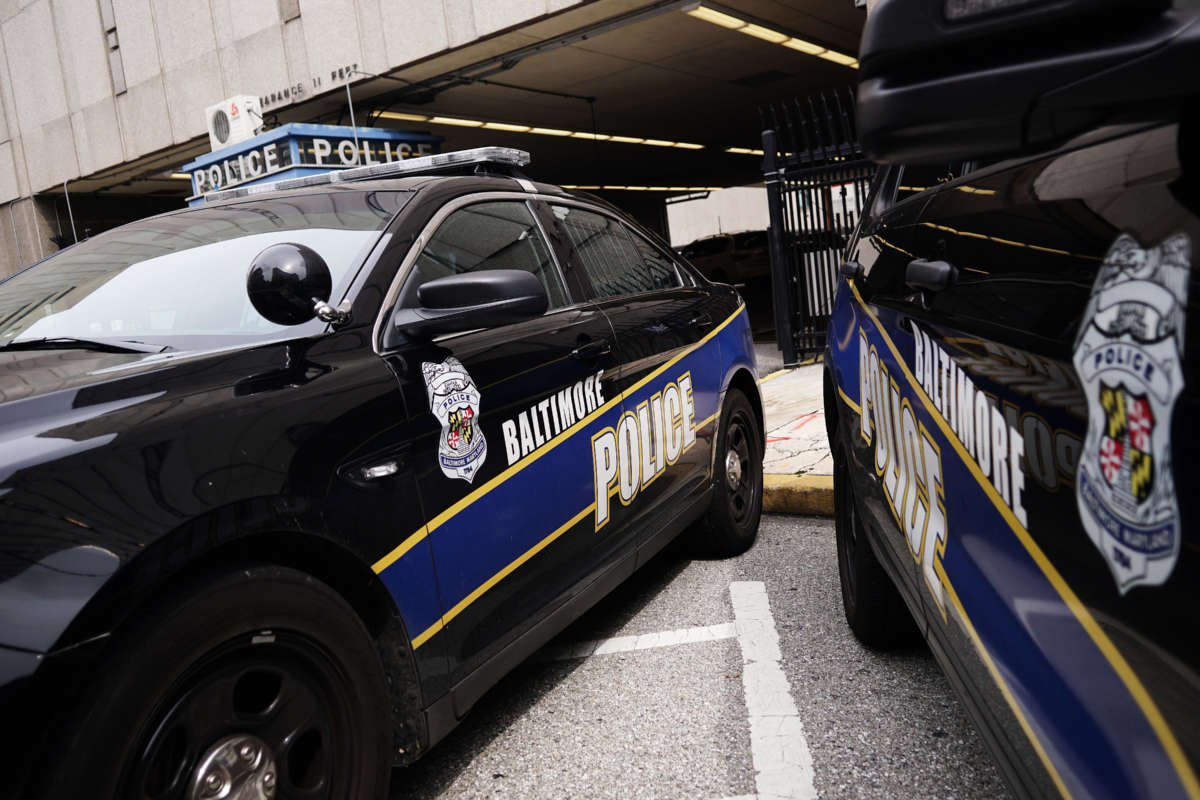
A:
(797, 465)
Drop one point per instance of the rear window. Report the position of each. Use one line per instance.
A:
(615, 262)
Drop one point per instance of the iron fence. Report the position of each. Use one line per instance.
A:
(817, 182)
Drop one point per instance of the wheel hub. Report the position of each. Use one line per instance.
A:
(238, 767)
(733, 469)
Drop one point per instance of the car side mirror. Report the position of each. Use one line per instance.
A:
(289, 284)
(934, 276)
(484, 299)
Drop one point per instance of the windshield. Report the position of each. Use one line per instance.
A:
(180, 280)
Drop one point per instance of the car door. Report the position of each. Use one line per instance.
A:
(667, 333)
(1062, 403)
(882, 315)
(504, 474)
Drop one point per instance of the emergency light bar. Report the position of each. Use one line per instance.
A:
(506, 156)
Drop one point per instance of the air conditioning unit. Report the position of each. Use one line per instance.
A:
(233, 120)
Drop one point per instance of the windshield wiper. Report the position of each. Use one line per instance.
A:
(76, 343)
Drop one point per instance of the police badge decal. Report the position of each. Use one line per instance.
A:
(1129, 356)
(454, 401)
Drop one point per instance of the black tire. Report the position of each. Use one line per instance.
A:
(263, 651)
(874, 609)
(730, 524)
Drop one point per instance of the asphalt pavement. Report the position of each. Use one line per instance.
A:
(716, 679)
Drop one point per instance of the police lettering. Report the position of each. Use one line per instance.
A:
(548, 418)
(645, 441)
(994, 442)
(910, 464)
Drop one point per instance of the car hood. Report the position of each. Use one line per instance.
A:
(26, 373)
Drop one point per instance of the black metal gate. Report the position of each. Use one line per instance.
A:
(817, 182)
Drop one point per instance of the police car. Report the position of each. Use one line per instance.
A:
(290, 479)
(1013, 381)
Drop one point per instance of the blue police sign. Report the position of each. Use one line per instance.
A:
(298, 149)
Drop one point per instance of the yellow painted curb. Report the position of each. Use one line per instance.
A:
(810, 495)
(773, 375)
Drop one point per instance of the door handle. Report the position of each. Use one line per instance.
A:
(700, 320)
(593, 349)
(935, 276)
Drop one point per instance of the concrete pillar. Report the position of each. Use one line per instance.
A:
(26, 225)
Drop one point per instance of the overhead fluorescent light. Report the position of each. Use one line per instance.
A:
(403, 115)
(731, 20)
(515, 127)
(766, 34)
(803, 46)
(465, 123)
(838, 58)
(744, 151)
(717, 18)
(181, 176)
(506, 126)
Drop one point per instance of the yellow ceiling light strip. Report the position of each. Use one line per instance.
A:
(465, 123)
(513, 127)
(767, 34)
(549, 131)
(505, 126)
(403, 115)
(717, 18)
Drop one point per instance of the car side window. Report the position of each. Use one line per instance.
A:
(488, 235)
(660, 269)
(613, 260)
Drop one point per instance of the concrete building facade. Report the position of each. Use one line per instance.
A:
(105, 98)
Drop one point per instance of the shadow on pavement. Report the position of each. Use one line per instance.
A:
(519, 691)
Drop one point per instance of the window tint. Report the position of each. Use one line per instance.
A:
(498, 235)
(613, 261)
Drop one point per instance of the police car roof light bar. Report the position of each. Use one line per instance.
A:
(502, 156)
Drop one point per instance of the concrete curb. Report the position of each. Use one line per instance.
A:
(809, 495)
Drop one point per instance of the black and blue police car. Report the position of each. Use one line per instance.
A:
(1013, 379)
(288, 480)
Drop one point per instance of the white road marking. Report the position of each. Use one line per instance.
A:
(783, 765)
(645, 641)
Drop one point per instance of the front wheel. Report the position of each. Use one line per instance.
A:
(255, 683)
(874, 609)
(730, 525)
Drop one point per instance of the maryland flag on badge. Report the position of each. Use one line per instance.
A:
(1126, 449)
(462, 431)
